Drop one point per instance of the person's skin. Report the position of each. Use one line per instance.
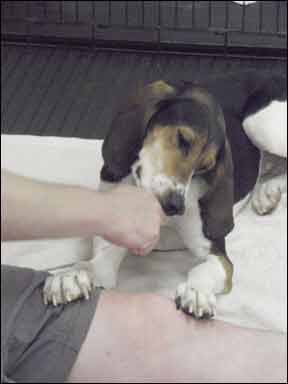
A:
(136, 337)
(142, 338)
(30, 209)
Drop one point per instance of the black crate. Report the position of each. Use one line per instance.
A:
(253, 29)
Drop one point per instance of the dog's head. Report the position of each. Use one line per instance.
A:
(166, 136)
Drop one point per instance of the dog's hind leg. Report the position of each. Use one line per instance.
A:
(272, 183)
(267, 128)
(267, 195)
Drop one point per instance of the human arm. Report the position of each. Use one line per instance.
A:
(30, 209)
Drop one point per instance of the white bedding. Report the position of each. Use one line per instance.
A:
(257, 246)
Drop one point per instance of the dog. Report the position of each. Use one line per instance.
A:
(197, 146)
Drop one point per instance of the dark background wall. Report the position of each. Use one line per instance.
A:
(66, 64)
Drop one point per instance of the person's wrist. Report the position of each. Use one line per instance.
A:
(100, 212)
(85, 210)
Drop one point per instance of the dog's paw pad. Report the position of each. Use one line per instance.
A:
(194, 302)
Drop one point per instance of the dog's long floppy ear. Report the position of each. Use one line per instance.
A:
(217, 204)
(128, 130)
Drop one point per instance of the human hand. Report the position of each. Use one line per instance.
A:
(133, 218)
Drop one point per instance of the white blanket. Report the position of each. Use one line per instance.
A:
(257, 246)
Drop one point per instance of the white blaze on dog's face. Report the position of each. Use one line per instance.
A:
(170, 155)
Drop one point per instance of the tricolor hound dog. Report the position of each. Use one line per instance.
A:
(197, 147)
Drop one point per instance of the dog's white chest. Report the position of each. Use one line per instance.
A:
(189, 226)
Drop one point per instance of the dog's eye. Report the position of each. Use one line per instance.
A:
(183, 143)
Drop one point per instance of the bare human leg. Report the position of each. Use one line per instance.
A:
(142, 338)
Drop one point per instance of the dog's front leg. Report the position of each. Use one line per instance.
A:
(70, 285)
(106, 262)
(78, 281)
(100, 271)
(197, 296)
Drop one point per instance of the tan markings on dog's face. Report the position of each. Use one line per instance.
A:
(169, 157)
(177, 151)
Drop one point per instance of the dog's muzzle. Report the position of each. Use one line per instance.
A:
(173, 203)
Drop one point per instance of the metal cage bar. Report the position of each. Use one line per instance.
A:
(260, 25)
(176, 15)
(127, 13)
(193, 15)
(142, 13)
(278, 17)
(210, 14)
(77, 11)
(109, 12)
(243, 16)
(61, 13)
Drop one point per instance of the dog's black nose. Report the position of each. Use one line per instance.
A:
(173, 204)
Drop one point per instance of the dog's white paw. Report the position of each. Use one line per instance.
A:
(195, 302)
(267, 196)
(68, 286)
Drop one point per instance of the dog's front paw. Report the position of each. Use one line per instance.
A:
(64, 287)
(195, 302)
